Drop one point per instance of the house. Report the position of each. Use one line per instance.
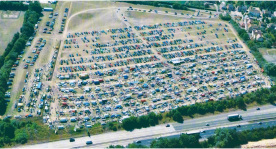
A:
(242, 8)
(231, 7)
(274, 14)
(249, 21)
(242, 24)
(257, 35)
(254, 13)
(223, 8)
(252, 27)
(237, 18)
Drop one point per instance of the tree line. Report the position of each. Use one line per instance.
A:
(223, 138)
(174, 5)
(141, 122)
(15, 47)
(10, 132)
(15, 6)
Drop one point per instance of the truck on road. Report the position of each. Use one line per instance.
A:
(234, 117)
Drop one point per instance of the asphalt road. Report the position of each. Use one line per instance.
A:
(210, 132)
(198, 124)
(221, 119)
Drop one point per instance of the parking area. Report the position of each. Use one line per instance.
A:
(30, 79)
(109, 75)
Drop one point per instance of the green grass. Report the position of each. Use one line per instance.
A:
(7, 30)
(39, 132)
(49, 6)
(271, 52)
(266, 51)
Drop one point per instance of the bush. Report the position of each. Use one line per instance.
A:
(21, 137)
(227, 17)
(178, 117)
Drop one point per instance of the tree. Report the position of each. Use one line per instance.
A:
(226, 138)
(267, 44)
(227, 17)
(143, 121)
(6, 129)
(239, 3)
(270, 69)
(272, 98)
(250, 43)
(21, 137)
(189, 141)
(35, 7)
(178, 117)
(155, 4)
(176, 6)
(267, 20)
(240, 103)
(219, 107)
(130, 123)
(153, 119)
(134, 145)
(116, 146)
(160, 143)
(273, 20)
(245, 37)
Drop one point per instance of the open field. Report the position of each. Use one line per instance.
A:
(269, 54)
(10, 14)
(95, 20)
(85, 5)
(8, 28)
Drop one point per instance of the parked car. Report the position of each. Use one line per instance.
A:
(72, 140)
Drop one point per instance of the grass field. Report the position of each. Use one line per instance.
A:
(269, 54)
(84, 5)
(7, 30)
(48, 5)
(95, 20)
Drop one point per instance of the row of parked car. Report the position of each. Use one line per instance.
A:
(185, 71)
